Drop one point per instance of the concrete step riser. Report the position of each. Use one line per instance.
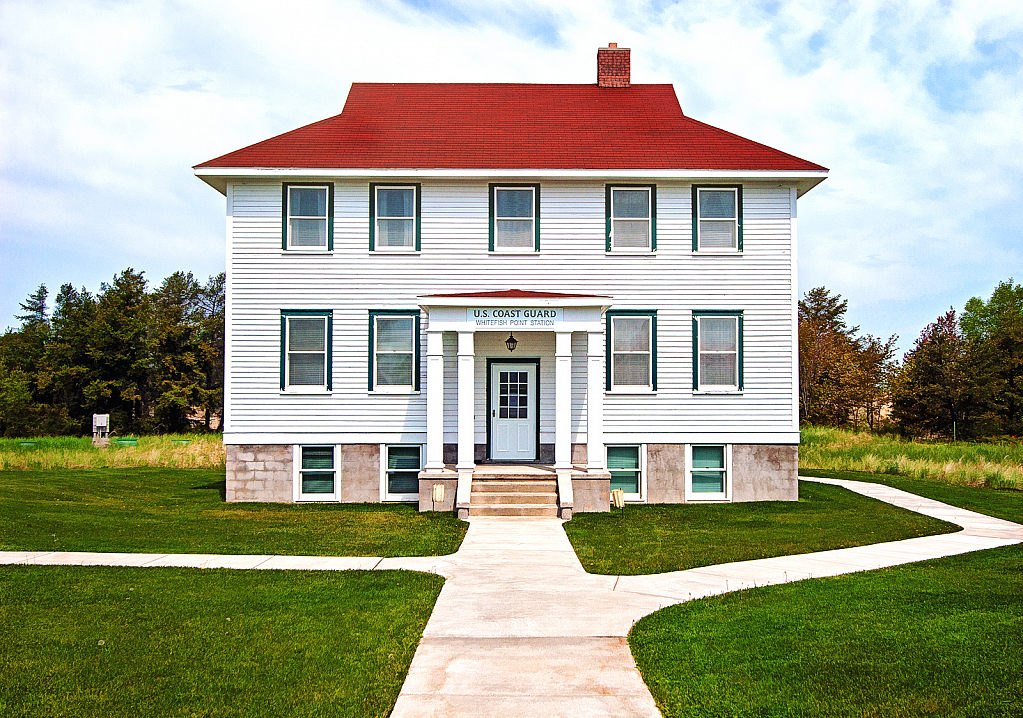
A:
(524, 510)
(505, 499)
(514, 487)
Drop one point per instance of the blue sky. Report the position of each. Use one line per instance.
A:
(917, 108)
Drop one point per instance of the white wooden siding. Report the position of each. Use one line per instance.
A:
(351, 280)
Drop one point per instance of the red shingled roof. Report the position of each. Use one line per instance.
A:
(510, 126)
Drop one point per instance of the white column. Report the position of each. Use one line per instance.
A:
(563, 400)
(434, 401)
(466, 401)
(595, 402)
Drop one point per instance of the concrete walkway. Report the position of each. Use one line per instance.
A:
(521, 628)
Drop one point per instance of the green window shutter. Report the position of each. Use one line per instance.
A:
(372, 215)
(653, 227)
(738, 209)
(419, 230)
(696, 219)
(739, 358)
(536, 216)
(492, 228)
(696, 352)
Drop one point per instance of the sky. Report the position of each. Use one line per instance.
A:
(916, 108)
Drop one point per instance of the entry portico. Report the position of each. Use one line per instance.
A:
(512, 394)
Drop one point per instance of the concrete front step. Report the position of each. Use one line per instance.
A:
(503, 486)
(497, 499)
(534, 510)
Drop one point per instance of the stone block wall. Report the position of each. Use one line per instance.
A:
(426, 494)
(765, 472)
(591, 494)
(260, 472)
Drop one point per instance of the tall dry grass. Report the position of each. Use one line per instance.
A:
(203, 451)
(994, 465)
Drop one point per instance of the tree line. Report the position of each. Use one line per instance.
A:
(152, 359)
(960, 380)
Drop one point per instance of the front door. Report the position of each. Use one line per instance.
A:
(514, 412)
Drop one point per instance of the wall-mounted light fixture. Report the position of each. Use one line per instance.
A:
(511, 342)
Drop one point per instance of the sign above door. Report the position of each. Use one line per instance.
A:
(513, 317)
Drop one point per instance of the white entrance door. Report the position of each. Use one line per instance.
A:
(513, 412)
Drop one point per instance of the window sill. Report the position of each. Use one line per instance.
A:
(403, 252)
(631, 392)
(322, 499)
(500, 252)
(306, 252)
(709, 499)
(318, 391)
(395, 392)
(716, 392)
(717, 252)
(400, 498)
(631, 253)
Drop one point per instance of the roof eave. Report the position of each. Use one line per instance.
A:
(218, 177)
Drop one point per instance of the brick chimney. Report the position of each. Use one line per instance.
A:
(613, 66)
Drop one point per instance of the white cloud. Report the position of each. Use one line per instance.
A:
(917, 108)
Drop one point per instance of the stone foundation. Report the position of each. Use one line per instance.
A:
(591, 494)
(426, 494)
(260, 472)
(765, 472)
(358, 473)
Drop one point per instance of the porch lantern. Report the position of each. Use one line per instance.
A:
(511, 342)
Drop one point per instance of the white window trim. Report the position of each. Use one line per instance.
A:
(385, 495)
(377, 247)
(633, 497)
(296, 462)
(692, 497)
(498, 248)
(634, 388)
(735, 220)
(305, 248)
(409, 388)
(649, 223)
(290, 388)
(717, 388)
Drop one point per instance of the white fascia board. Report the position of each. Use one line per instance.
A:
(218, 177)
(427, 302)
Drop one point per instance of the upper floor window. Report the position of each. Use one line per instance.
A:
(394, 350)
(514, 218)
(631, 215)
(717, 355)
(394, 217)
(717, 218)
(308, 216)
(632, 350)
(305, 350)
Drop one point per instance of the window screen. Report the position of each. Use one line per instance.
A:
(396, 212)
(708, 474)
(307, 351)
(403, 464)
(718, 218)
(513, 217)
(317, 472)
(623, 463)
(719, 351)
(630, 218)
(307, 216)
(631, 351)
(394, 350)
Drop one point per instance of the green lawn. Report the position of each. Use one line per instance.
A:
(100, 641)
(938, 638)
(1001, 503)
(149, 510)
(672, 537)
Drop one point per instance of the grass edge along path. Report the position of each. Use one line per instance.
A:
(940, 637)
(154, 510)
(85, 641)
(1004, 504)
(658, 538)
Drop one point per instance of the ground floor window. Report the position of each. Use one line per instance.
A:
(401, 465)
(626, 466)
(708, 476)
(316, 475)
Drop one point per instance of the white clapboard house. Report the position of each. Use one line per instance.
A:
(511, 298)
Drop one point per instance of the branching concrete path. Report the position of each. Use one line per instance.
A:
(520, 628)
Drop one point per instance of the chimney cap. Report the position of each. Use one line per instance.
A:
(612, 46)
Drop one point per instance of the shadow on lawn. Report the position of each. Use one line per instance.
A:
(220, 486)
